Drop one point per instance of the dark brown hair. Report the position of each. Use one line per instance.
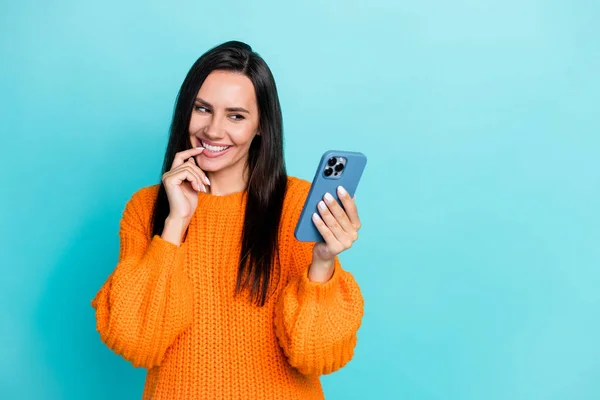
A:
(266, 167)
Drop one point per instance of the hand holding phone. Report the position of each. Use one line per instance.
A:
(336, 169)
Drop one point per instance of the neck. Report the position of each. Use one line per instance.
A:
(225, 182)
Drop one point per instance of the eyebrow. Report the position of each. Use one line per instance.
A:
(231, 109)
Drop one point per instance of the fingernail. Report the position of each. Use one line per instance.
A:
(328, 197)
(204, 188)
(322, 205)
(206, 180)
(199, 148)
(316, 217)
(342, 191)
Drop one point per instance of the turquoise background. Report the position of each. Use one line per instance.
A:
(479, 259)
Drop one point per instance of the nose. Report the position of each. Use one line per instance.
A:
(214, 130)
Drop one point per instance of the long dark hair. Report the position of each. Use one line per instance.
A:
(266, 167)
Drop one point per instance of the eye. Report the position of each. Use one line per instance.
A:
(236, 117)
(201, 109)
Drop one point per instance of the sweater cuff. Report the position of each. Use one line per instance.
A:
(162, 252)
(321, 291)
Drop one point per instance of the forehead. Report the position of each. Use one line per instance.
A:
(228, 89)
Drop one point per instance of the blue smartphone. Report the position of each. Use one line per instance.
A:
(336, 168)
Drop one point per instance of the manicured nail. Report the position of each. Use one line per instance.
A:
(328, 197)
(322, 205)
(204, 189)
(316, 217)
(342, 191)
(206, 180)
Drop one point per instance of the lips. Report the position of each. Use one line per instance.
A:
(213, 148)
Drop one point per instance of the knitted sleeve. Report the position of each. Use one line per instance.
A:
(316, 323)
(147, 301)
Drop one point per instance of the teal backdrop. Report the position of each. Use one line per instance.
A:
(479, 259)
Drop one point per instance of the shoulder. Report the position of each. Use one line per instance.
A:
(297, 188)
(145, 197)
(296, 192)
(295, 196)
(141, 203)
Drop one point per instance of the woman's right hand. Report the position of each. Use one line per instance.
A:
(182, 183)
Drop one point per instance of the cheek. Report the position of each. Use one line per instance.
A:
(196, 124)
(242, 136)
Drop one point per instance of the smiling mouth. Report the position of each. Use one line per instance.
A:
(213, 149)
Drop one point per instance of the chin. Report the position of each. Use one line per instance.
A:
(211, 166)
(215, 164)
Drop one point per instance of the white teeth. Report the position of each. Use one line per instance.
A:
(214, 148)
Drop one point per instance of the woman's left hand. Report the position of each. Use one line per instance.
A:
(339, 227)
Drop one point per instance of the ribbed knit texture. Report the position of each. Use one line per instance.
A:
(171, 309)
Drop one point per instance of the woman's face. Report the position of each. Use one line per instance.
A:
(224, 121)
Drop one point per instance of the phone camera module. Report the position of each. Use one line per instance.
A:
(339, 167)
(332, 161)
(328, 171)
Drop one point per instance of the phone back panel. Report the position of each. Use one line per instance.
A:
(306, 231)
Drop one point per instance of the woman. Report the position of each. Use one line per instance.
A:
(212, 293)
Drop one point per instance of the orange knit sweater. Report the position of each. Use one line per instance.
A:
(171, 309)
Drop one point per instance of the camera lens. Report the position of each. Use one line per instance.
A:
(332, 161)
(328, 172)
(339, 167)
